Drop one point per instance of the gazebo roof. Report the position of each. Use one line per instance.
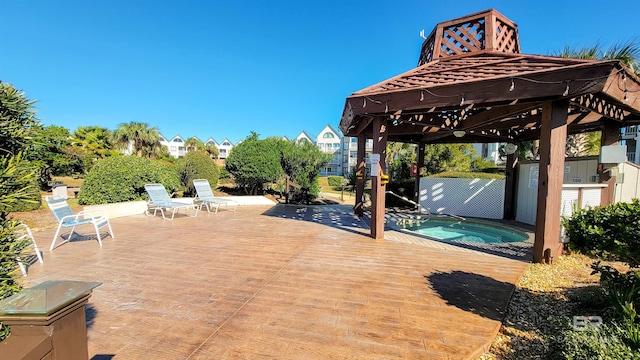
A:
(487, 91)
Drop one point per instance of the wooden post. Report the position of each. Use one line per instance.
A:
(553, 137)
(610, 136)
(377, 188)
(360, 170)
(419, 171)
(510, 186)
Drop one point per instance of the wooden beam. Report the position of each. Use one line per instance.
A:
(358, 208)
(419, 171)
(553, 135)
(496, 114)
(610, 136)
(377, 188)
(511, 167)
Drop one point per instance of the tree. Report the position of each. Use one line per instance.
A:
(144, 140)
(302, 162)
(399, 159)
(51, 152)
(447, 157)
(91, 143)
(193, 144)
(255, 162)
(17, 180)
(629, 54)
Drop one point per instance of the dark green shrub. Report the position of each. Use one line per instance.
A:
(611, 232)
(467, 175)
(623, 290)
(335, 181)
(198, 165)
(122, 178)
(609, 341)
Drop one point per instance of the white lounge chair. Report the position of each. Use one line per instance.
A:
(205, 197)
(159, 200)
(23, 232)
(66, 218)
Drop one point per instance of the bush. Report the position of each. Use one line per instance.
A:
(335, 181)
(254, 162)
(611, 232)
(609, 341)
(198, 165)
(122, 178)
(467, 175)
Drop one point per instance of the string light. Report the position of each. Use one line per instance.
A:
(566, 91)
(462, 101)
(421, 95)
(386, 107)
(513, 85)
(364, 103)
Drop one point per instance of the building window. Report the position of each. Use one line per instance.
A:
(178, 140)
(226, 143)
(328, 136)
(173, 148)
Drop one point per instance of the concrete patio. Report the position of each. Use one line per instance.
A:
(279, 282)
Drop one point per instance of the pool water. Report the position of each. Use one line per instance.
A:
(465, 231)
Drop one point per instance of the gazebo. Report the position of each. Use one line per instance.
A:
(472, 84)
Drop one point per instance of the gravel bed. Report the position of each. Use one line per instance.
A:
(543, 304)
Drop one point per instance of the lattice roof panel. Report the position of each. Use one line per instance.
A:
(486, 30)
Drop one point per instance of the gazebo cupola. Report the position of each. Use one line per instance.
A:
(484, 31)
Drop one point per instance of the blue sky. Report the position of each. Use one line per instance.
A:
(224, 68)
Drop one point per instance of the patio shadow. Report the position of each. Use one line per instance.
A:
(336, 216)
(471, 292)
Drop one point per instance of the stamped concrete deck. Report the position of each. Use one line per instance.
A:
(279, 282)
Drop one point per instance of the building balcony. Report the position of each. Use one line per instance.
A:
(629, 132)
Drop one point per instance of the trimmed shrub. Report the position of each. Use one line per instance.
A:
(122, 178)
(335, 181)
(198, 165)
(611, 232)
(467, 175)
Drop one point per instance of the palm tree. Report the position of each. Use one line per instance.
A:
(398, 151)
(94, 140)
(629, 54)
(193, 144)
(138, 137)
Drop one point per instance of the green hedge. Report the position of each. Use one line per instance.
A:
(122, 178)
(335, 181)
(611, 232)
(467, 175)
(198, 165)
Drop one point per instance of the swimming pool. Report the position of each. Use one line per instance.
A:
(456, 230)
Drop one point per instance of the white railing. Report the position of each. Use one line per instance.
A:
(631, 130)
(631, 156)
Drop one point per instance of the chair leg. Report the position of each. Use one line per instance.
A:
(55, 237)
(23, 268)
(113, 236)
(98, 234)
